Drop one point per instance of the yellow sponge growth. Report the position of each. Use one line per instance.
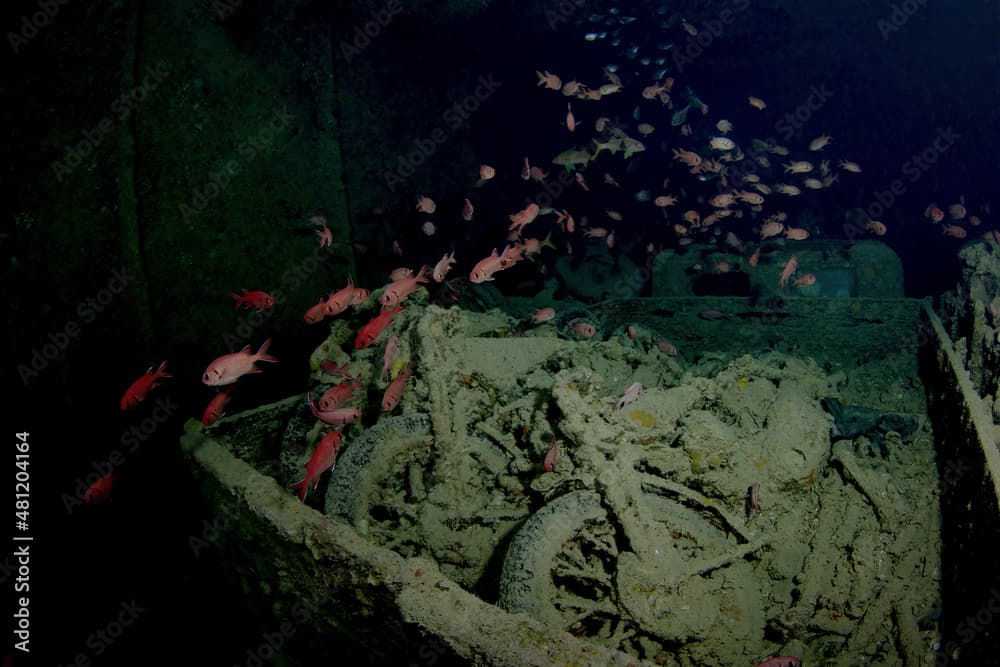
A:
(643, 418)
(397, 365)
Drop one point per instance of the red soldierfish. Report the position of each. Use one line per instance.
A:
(443, 266)
(780, 661)
(486, 267)
(325, 235)
(790, 266)
(371, 331)
(543, 315)
(523, 217)
(390, 399)
(396, 291)
(100, 491)
(316, 313)
(512, 254)
(359, 295)
(138, 390)
(333, 416)
(254, 299)
(229, 368)
(216, 407)
(331, 368)
(666, 347)
(630, 395)
(400, 273)
(324, 458)
(339, 394)
(341, 299)
(550, 456)
(391, 350)
(426, 204)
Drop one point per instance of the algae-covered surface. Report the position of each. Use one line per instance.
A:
(643, 536)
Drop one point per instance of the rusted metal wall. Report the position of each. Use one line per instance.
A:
(969, 466)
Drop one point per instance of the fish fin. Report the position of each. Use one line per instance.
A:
(312, 405)
(162, 372)
(262, 354)
(302, 485)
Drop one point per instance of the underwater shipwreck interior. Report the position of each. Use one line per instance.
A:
(491, 333)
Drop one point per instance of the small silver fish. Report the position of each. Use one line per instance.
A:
(680, 117)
